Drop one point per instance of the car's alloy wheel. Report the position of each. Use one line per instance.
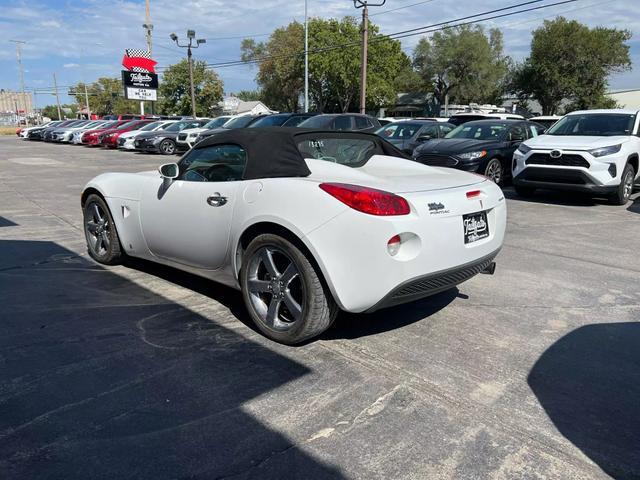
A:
(493, 171)
(275, 287)
(102, 239)
(167, 147)
(286, 298)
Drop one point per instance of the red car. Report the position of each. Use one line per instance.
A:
(92, 137)
(109, 138)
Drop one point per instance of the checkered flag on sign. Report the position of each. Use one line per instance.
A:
(138, 53)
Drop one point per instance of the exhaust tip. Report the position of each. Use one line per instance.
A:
(490, 270)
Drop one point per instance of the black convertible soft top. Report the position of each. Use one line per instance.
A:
(273, 151)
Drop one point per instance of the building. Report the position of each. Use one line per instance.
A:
(232, 105)
(627, 98)
(15, 102)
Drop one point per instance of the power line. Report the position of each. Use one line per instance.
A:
(400, 8)
(405, 33)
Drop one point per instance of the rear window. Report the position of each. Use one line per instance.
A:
(352, 152)
(399, 130)
(269, 121)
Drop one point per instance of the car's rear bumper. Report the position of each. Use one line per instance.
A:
(433, 283)
(351, 249)
(561, 179)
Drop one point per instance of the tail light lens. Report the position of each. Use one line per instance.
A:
(368, 200)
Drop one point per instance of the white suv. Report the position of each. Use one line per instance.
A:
(592, 151)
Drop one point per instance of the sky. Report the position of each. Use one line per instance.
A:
(84, 40)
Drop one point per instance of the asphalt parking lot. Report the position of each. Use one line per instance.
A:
(141, 371)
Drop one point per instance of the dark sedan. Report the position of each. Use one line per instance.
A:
(483, 146)
(39, 133)
(406, 135)
(342, 121)
(164, 141)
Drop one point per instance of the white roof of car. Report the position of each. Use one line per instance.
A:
(546, 117)
(624, 111)
(502, 115)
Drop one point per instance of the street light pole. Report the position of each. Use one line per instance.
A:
(19, 44)
(191, 35)
(306, 59)
(364, 4)
(55, 86)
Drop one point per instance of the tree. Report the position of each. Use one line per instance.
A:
(281, 72)
(106, 97)
(464, 64)
(334, 66)
(175, 90)
(250, 95)
(570, 61)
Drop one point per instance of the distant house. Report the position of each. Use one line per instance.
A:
(232, 105)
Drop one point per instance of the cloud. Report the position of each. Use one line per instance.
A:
(71, 65)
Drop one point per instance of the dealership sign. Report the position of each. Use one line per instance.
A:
(140, 80)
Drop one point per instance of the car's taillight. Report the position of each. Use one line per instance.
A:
(367, 200)
(473, 193)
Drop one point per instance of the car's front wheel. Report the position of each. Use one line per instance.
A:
(100, 231)
(167, 147)
(282, 291)
(625, 189)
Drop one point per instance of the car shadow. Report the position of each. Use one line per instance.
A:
(588, 382)
(5, 222)
(351, 325)
(558, 197)
(635, 205)
(102, 378)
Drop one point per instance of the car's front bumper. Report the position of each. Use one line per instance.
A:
(561, 179)
(146, 146)
(573, 170)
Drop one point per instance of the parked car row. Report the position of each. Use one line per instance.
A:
(593, 151)
(169, 136)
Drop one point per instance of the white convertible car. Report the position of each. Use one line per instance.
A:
(303, 222)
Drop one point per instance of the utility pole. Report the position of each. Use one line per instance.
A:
(86, 101)
(55, 86)
(306, 59)
(19, 44)
(148, 26)
(191, 35)
(364, 4)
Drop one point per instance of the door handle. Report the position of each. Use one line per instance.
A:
(216, 200)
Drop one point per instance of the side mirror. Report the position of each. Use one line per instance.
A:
(169, 170)
(424, 138)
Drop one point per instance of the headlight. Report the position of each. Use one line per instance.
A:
(524, 148)
(601, 152)
(472, 155)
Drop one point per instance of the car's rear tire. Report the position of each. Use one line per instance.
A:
(625, 189)
(524, 191)
(167, 147)
(103, 243)
(284, 294)
(493, 171)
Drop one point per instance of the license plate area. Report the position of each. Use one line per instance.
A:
(475, 227)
